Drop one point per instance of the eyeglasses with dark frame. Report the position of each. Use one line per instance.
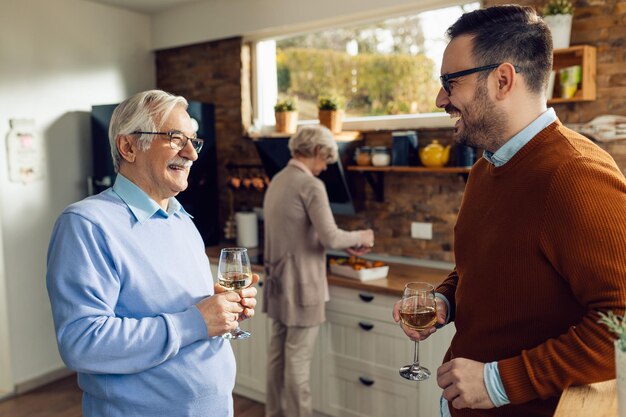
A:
(445, 79)
(177, 139)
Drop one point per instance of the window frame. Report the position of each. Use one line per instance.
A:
(260, 80)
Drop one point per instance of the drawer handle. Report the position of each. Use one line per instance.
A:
(260, 284)
(366, 326)
(366, 297)
(366, 381)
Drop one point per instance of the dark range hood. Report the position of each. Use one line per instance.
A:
(275, 154)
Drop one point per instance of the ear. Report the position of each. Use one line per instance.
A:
(127, 147)
(507, 78)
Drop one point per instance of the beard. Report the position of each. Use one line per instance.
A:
(483, 123)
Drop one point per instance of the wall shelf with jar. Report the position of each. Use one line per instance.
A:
(582, 56)
(375, 175)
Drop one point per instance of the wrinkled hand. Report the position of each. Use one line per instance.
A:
(463, 384)
(358, 250)
(442, 312)
(223, 310)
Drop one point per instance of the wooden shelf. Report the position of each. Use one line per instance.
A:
(376, 179)
(346, 136)
(437, 170)
(585, 56)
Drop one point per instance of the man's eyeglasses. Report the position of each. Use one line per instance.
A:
(445, 79)
(177, 139)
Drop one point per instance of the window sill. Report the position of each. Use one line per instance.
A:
(364, 124)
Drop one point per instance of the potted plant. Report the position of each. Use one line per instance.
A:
(330, 113)
(617, 325)
(286, 113)
(558, 16)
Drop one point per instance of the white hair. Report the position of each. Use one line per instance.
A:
(141, 112)
(310, 139)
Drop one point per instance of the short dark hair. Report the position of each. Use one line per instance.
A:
(509, 33)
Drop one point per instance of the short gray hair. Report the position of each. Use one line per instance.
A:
(309, 138)
(141, 112)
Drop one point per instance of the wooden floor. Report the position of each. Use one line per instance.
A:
(62, 399)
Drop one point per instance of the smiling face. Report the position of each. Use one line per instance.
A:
(161, 171)
(480, 122)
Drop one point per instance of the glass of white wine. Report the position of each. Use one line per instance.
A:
(418, 311)
(234, 273)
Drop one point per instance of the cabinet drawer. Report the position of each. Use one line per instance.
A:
(368, 340)
(361, 303)
(355, 391)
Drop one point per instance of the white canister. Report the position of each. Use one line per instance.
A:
(620, 371)
(381, 157)
(247, 229)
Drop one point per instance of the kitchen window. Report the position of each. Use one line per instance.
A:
(385, 72)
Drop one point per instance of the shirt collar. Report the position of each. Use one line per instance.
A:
(140, 204)
(301, 165)
(517, 142)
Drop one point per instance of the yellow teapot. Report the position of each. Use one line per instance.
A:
(434, 155)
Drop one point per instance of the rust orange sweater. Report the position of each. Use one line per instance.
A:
(540, 247)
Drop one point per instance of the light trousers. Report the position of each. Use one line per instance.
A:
(289, 371)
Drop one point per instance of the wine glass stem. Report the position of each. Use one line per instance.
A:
(416, 355)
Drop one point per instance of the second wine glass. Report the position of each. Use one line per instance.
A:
(234, 273)
(418, 311)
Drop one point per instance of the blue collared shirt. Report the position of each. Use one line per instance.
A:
(123, 278)
(491, 374)
(142, 206)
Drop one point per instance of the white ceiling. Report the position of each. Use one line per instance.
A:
(144, 6)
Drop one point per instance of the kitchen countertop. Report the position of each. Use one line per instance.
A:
(399, 275)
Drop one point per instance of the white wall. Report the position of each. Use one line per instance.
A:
(217, 19)
(57, 58)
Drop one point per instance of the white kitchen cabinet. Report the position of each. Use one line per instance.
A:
(251, 353)
(364, 349)
(355, 366)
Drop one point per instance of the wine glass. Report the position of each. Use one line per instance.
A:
(418, 311)
(234, 273)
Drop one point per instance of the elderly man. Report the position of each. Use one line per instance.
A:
(539, 240)
(133, 301)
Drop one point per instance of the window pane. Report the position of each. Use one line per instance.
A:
(383, 68)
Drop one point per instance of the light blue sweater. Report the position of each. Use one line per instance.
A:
(123, 277)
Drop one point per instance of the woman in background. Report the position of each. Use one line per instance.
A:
(299, 227)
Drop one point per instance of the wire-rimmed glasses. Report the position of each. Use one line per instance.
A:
(177, 139)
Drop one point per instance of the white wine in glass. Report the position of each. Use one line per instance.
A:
(418, 311)
(234, 273)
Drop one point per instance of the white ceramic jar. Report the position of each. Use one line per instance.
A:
(381, 157)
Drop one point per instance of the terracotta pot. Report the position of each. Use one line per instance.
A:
(332, 119)
(286, 121)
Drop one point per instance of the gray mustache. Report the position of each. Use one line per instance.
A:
(184, 162)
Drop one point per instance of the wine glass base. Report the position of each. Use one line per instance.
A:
(414, 373)
(236, 334)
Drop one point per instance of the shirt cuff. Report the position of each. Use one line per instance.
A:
(189, 325)
(494, 385)
(445, 300)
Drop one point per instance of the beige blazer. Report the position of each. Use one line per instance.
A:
(299, 226)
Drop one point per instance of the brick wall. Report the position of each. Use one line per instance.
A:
(213, 72)
(216, 72)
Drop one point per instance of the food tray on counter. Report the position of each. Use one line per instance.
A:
(365, 274)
